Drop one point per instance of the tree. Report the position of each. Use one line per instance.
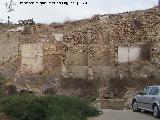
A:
(9, 6)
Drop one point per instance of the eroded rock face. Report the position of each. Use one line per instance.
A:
(101, 48)
(38, 84)
(11, 90)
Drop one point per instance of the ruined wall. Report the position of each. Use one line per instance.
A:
(101, 48)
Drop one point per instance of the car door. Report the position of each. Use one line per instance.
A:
(142, 99)
(151, 97)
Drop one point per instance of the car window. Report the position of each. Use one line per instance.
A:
(154, 91)
(146, 91)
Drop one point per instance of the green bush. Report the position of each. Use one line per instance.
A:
(31, 107)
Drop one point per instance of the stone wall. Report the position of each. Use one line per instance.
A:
(100, 48)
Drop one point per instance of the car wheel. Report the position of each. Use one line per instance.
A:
(135, 107)
(156, 111)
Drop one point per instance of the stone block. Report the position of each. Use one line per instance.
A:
(32, 58)
(77, 55)
(77, 71)
(58, 37)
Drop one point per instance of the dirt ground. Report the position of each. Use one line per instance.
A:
(4, 117)
(123, 115)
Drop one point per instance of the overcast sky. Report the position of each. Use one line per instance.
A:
(49, 13)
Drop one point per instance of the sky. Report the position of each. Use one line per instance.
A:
(48, 13)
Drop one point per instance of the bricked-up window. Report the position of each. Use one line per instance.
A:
(129, 54)
(122, 54)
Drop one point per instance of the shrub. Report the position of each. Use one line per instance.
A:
(31, 107)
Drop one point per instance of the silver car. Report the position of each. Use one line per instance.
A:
(148, 100)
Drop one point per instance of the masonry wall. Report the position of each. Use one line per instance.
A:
(100, 48)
